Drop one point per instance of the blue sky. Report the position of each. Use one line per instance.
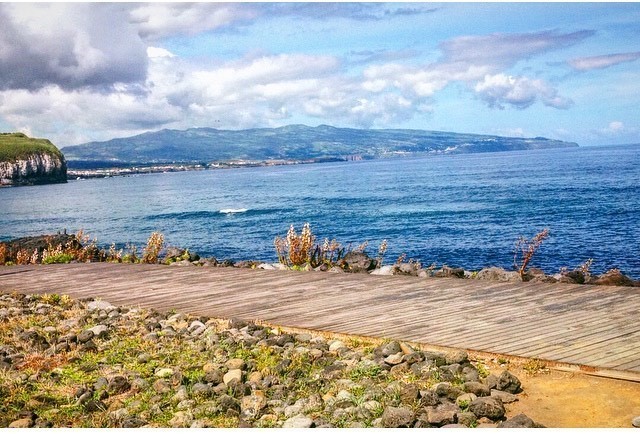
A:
(77, 72)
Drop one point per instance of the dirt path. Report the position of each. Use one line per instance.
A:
(572, 400)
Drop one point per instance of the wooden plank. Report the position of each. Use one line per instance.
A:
(573, 323)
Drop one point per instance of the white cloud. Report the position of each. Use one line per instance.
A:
(157, 20)
(519, 92)
(69, 69)
(601, 62)
(69, 45)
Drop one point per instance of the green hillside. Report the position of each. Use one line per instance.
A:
(295, 142)
(17, 146)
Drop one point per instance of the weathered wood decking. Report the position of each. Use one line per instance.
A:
(594, 328)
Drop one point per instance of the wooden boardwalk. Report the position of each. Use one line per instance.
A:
(592, 328)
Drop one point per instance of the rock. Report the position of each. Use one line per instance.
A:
(636, 422)
(265, 266)
(465, 399)
(476, 388)
(181, 419)
(250, 406)
(491, 408)
(505, 397)
(164, 372)
(336, 345)
(358, 262)
(613, 278)
(450, 272)
(231, 376)
(100, 305)
(100, 331)
(85, 336)
(447, 390)
(232, 364)
(226, 403)
(161, 386)
(406, 269)
(386, 270)
(498, 274)
(467, 418)
(180, 395)
(491, 381)
(22, 423)
(298, 421)
(390, 348)
(397, 417)
(409, 393)
(509, 383)
(118, 385)
(133, 422)
(201, 389)
(456, 357)
(394, 359)
(442, 415)
(519, 421)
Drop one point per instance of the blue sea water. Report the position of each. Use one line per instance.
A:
(459, 210)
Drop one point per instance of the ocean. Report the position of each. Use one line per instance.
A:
(460, 210)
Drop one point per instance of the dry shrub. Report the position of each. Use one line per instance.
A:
(23, 257)
(381, 251)
(3, 253)
(155, 243)
(525, 249)
(296, 249)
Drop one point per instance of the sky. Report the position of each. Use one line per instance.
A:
(79, 72)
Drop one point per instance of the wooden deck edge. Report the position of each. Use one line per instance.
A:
(474, 355)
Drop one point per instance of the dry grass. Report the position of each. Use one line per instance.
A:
(155, 243)
(525, 249)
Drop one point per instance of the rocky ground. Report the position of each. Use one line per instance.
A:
(86, 363)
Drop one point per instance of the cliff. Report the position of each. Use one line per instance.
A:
(28, 161)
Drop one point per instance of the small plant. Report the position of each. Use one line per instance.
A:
(525, 249)
(155, 243)
(534, 366)
(299, 250)
(381, 251)
(585, 267)
(22, 257)
(3, 253)
(294, 249)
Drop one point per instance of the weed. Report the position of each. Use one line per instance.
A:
(525, 249)
(22, 257)
(155, 243)
(381, 251)
(534, 366)
(295, 249)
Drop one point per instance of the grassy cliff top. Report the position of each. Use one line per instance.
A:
(16, 146)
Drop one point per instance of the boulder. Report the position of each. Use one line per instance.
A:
(491, 408)
(519, 421)
(446, 271)
(636, 422)
(358, 262)
(505, 397)
(298, 421)
(498, 274)
(397, 417)
(613, 278)
(509, 383)
(476, 388)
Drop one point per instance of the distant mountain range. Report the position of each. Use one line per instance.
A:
(292, 142)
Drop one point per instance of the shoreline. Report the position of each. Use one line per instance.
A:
(142, 169)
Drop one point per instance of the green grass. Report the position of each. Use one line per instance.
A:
(15, 146)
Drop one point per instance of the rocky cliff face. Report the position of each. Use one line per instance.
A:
(37, 168)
